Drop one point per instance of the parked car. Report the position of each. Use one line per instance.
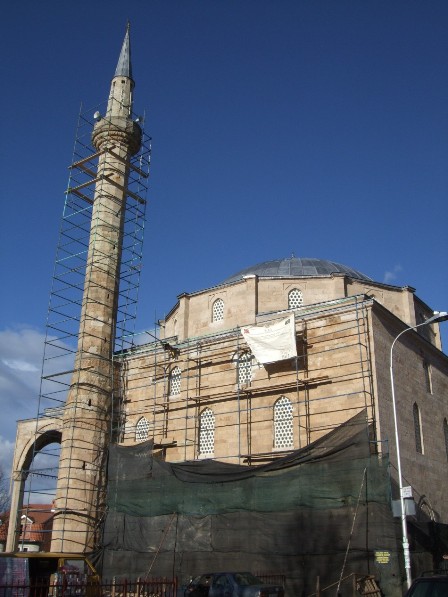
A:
(231, 584)
(435, 585)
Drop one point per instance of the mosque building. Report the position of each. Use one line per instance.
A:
(267, 363)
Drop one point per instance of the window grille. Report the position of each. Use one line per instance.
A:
(295, 299)
(218, 310)
(175, 381)
(207, 432)
(283, 424)
(426, 508)
(244, 361)
(417, 430)
(142, 430)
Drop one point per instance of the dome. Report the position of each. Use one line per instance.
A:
(296, 267)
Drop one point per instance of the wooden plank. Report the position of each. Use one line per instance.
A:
(136, 197)
(127, 191)
(85, 184)
(88, 170)
(87, 159)
(128, 163)
(90, 201)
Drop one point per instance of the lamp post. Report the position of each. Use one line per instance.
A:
(437, 316)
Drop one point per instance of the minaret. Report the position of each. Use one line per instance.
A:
(80, 495)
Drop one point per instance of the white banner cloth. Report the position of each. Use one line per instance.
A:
(271, 343)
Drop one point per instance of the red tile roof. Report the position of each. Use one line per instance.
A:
(36, 522)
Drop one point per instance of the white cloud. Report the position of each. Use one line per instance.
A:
(145, 337)
(20, 359)
(391, 275)
(21, 354)
(6, 454)
(20, 365)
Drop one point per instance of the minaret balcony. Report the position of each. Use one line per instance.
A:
(122, 131)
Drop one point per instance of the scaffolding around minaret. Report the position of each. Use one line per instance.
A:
(93, 173)
(69, 279)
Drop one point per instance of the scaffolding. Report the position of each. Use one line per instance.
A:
(322, 393)
(63, 325)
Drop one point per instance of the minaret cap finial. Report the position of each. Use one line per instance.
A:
(124, 66)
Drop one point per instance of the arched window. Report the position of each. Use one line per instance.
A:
(295, 298)
(207, 433)
(425, 508)
(142, 430)
(428, 378)
(244, 366)
(283, 423)
(175, 381)
(445, 434)
(218, 310)
(417, 430)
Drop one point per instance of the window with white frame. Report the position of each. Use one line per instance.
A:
(244, 364)
(175, 381)
(207, 432)
(218, 310)
(295, 298)
(142, 430)
(283, 424)
(417, 429)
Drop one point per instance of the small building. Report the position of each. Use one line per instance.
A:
(36, 523)
(4, 523)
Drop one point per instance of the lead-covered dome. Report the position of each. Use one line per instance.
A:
(295, 267)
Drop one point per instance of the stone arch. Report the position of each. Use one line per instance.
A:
(44, 439)
(32, 437)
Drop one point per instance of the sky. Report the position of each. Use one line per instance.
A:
(317, 128)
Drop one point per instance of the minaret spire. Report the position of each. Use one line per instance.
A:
(122, 85)
(124, 66)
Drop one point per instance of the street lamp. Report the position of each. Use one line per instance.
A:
(437, 316)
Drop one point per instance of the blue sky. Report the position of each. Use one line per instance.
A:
(317, 127)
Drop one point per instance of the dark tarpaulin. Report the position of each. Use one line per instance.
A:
(292, 516)
(348, 437)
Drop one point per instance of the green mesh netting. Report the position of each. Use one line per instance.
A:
(320, 511)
